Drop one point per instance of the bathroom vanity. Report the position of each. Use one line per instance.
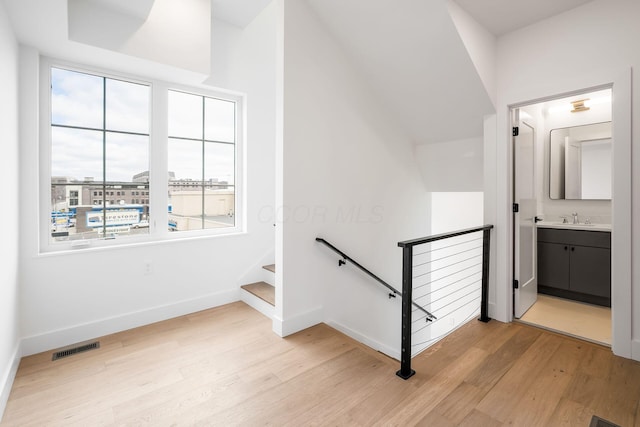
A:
(574, 262)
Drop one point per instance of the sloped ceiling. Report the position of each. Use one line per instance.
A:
(237, 12)
(503, 16)
(132, 35)
(138, 8)
(161, 30)
(413, 57)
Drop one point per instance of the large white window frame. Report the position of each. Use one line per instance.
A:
(158, 162)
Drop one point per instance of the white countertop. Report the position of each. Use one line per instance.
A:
(570, 226)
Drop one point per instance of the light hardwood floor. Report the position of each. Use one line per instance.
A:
(225, 366)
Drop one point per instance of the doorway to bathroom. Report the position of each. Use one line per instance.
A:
(562, 214)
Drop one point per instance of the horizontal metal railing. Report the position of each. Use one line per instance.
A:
(450, 280)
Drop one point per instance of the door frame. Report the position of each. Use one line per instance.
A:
(621, 266)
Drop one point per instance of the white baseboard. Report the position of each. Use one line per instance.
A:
(492, 310)
(257, 303)
(376, 345)
(635, 350)
(7, 378)
(78, 333)
(297, 323)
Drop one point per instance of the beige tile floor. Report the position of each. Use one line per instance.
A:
(585, 321)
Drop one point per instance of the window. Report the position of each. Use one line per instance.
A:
(98, 139)
(201, 159)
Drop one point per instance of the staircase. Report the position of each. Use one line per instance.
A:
(261, 295)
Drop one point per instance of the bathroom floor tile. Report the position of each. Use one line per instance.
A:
(585, 321)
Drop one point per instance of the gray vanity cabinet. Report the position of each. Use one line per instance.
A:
(553, 264)
(575, 264)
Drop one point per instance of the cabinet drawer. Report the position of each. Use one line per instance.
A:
(598, 239)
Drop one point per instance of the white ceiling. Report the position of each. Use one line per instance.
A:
(503, 16)
(237, 12)
(139, 8)
(497, 16)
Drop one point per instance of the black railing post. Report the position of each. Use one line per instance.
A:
(405, 371)
(484, 302)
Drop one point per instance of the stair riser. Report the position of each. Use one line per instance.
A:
(257, 303)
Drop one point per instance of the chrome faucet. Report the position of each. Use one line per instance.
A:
(575, 217)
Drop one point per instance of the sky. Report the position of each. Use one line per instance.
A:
(77, 100)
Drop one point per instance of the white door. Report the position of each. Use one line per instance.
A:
(525, 247)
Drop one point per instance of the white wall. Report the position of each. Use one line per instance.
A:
(9, 306)
(452, 211)
(558, 61)
(349, 177)
(451, 165)
(69, 297)
(480, 44)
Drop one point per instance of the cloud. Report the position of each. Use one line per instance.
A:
(186, 117)
(77, 154)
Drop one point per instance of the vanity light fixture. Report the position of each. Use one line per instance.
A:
(579, 106)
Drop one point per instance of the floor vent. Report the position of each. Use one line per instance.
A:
(75, 350)
(599, 422)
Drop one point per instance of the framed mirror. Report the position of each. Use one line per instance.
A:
(580, 162)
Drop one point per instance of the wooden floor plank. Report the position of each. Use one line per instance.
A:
(569, 413)
(225, 366)
(512, 387)
(543, 394)
(492, 370)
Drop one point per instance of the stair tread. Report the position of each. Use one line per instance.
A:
(262, 290)
(270, 267)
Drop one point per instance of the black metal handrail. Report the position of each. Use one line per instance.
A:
(407, 246)
(394, 291)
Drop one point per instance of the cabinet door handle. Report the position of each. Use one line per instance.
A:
(565, 248)
(573, 249)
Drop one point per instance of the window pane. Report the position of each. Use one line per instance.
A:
(185, 115)
(219, 208)
(64, 200)
(127, 156)
(76, 99)
(127, 164)
(219, 163)
(220, 193)
(76, 154)
(219, 120)
(185, 160)
(185, 185)
(127, 106)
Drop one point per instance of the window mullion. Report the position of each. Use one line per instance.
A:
(104, 157)
(203, 172)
